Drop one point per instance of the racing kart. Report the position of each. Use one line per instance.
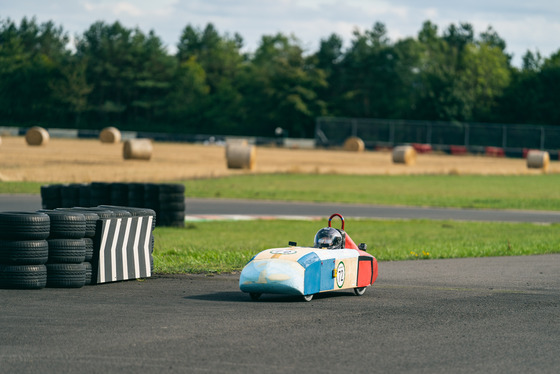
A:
(306, 271)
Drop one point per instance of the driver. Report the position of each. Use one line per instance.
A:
(329, 238)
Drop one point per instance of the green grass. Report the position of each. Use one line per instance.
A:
(226, 246)
(534, 192)
(21, 187)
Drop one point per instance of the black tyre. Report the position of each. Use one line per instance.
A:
(50, 196)
(135, 193)
(255, 295)
(66, 275)
(91, 219)
(172, 188)
(170, 198)
(172, 206)
(134, 212)
(24, 252)
(102, 213)
(23, 276)
(100, 193)
(85, 195)
(24, 226)
(118, 212)
(70, 195)
(67, 251)
(89, 249)
(359, 291)
(66, 224)
(171, 218)
(119, 194)
(89, 273)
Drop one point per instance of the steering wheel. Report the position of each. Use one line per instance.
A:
(339, 216)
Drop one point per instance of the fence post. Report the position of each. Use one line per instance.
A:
(466, 135)
(542, 137)
(429, 134)
(504, 136)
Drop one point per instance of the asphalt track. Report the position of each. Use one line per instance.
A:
(491, 315)
(202, 207)
(482, 315)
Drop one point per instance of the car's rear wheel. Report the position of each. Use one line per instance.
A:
(255, 295)
(360, 291)
(307, 297)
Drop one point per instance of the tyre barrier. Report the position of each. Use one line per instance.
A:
(167, 200)
(23, 249)
(73, 247)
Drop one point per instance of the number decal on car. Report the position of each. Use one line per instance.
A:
(340, 274)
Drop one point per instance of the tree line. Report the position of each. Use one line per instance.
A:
(113, 75)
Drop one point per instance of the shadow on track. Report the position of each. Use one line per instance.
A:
(268, 298)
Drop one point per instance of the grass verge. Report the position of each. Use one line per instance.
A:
(226, 246)
(534, 192)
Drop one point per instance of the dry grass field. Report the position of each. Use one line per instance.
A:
(87, 160)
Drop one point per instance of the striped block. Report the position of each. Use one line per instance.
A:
(123, 249)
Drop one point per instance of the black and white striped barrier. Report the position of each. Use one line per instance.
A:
(123, 249)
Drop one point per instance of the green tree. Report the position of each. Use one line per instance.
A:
(31, 56)
(220, 58)
(280, 88)
(130, 74)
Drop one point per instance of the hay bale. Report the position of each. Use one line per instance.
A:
(235, 141)
(240, 156)
(538, 160)
(37, 136)
(404, 154)
(137, 149)
(110, 135)
(354, 144)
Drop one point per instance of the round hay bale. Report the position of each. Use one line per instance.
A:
(354, 144)
(240, 156)
(538, 160)
(404, 154)
(137, 149)
(37, 136)
(110, 135)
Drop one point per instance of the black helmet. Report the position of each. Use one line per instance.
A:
(328, 237)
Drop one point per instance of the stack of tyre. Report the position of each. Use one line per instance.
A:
(23, 249)
(67, 249)
(167, 200)
(170, 208)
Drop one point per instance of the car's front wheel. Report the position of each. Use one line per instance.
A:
(360, 291)
(255, 296)
(307, 297)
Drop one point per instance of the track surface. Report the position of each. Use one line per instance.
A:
(274, 208)
(492, 315)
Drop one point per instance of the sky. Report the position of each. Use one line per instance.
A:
(524, 25)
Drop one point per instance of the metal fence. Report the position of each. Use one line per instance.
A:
(330, 131)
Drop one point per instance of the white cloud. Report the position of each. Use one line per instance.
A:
(523, 25)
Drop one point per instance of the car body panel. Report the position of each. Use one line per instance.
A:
(307, 271)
